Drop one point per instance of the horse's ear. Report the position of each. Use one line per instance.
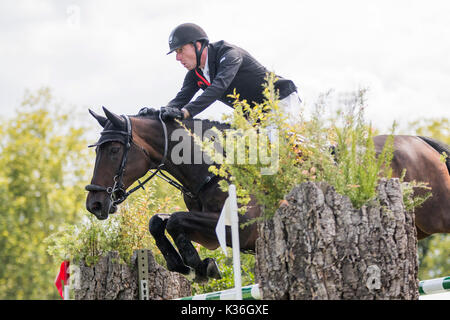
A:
(114, 118)
(101, 120)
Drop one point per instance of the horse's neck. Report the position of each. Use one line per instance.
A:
(189, 175)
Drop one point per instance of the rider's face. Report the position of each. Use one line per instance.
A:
(186, 56)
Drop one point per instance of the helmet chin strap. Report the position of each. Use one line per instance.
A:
(198, 53)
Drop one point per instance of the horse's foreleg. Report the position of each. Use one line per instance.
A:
(187, 226)
(157, 226)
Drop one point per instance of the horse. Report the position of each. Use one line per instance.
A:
(130, 146)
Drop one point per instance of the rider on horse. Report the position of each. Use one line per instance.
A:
(218, 68)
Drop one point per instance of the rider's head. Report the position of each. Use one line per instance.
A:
(188, 40)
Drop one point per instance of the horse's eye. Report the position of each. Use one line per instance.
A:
(115, 150)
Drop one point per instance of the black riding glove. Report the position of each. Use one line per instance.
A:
(145, 111)
(171, 113)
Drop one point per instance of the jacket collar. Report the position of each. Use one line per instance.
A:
(211, 62)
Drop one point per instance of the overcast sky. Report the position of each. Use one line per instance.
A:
(113, 53)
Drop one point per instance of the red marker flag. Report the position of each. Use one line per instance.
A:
(62, 277)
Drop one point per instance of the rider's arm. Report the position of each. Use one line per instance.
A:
(186, 93)
(229, 64)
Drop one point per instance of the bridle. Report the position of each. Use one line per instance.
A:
(117, 192)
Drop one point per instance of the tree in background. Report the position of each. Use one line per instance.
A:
(434, 257)
(42, 173)
(437, 128)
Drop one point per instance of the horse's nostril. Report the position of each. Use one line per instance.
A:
(95, 207)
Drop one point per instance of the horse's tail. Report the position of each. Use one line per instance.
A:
(440, 147)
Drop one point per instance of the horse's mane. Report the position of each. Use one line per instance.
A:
(189, 123)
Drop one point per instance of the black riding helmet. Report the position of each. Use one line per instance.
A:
(188, 33)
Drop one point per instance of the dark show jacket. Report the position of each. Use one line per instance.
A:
(230, 67)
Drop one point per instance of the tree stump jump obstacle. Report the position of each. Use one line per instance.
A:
(320, 247)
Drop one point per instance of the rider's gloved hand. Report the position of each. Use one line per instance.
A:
(171, 113)
(145, 111)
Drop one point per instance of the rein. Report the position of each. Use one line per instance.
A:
(117, 192)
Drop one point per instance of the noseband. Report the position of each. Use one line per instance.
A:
(117, 192)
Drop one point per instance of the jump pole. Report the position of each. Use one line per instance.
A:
(438, 285)
(252, 292)
(248, 293)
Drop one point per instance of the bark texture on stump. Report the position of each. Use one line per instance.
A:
(110, 280)
(320, 247)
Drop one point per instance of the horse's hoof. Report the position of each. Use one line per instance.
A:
(208, 270)
(212, 270)
(191, 275)
(201, 279)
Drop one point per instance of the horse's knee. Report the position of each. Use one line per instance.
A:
(157, 224)
(174, 224)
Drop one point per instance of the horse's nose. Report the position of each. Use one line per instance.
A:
(95, 208)
(100, 205)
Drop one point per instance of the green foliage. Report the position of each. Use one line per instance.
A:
(434, 257)
(250, 160)
(437, 128)
(42, 173)
(268, 181)
(355, 168)
(411, 198)
(302, 152)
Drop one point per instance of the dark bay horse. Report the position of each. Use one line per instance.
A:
(131, 146)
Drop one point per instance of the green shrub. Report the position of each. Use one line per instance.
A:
(303, 150)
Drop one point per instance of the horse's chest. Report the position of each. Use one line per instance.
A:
(210, 200)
